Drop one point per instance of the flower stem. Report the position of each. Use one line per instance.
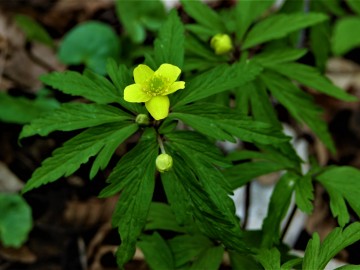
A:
(161, 144)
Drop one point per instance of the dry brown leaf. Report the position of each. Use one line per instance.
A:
(21, 255)
(9, 182)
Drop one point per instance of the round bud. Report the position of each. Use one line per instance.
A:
(142, 120)
(221, 43)
(164, 162)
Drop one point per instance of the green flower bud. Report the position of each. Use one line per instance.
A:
(142, 120)
(164, 162)
(221, 43)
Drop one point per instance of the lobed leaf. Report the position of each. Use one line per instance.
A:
(169, 45)
(318, 255)
(217, 80)
(279, 26)
(95, 88)
(68, 158)
(72, 116)
(156, 251)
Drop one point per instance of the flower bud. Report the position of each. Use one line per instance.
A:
(221, 43)
(142, 120)
(164, 162)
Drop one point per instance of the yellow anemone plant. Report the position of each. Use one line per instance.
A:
(152, 87)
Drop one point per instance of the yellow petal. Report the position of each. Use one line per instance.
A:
(142, 73)
(175, 86)
(169, 71)
(133, 93)
(158, 107)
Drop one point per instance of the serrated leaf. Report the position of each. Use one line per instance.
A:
(97, 88)
(15, 220)
(278, 208)
(311, 77)
(162, 218)
(299, 104)
(120, 76)
(169, 45)
(127, 169)
(225, 124)
(342, 183)
(156, 251)
(272, 57)
(304, 193)
(187, 247)
(134, 175)
(33, 30)
(207, 189)
(247, 12)
(269, 258)
(279, 26)
(204, 15)
(68, 158)
(131, 213)
(318, 255)
(343, 39)
(20, 110)
(260, 164)
(209, 259)
(217, 80)
(72, 116)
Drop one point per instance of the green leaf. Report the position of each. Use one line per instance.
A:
(272, 57)
(247, 12)
(243, 261)
(269, 258)
(21, 110)
(128, 169)
(278, 208)
(15, 220)
(260, 164)
(147, 15)
(162, 218)
(33, 30)
(90, 43)
(120, 76)
(207, 189)
(72, 116)
(348, 267)
(279, 26)
(354, 5)
(95, 88)
(131, 213)
(311, 77)
(209, 259)
(289, 265)
(217, 80)
(304, 193)
(320, 43)
(204, 15)
(68, 158)
(220, 122)
(187, 247)
(299, 104)
(317, 256)
(343, 39)
(156, 251)
(342, 183)
(169, 46)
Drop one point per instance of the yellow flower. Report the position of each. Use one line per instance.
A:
(152, 87)
(221, 43)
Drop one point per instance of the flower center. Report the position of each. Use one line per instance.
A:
(156, 85)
